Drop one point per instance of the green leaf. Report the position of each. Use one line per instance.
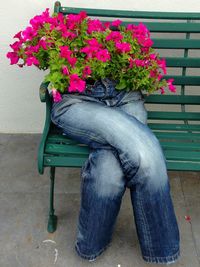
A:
(121, 85)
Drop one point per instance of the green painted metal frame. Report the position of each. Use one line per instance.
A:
(56, 150)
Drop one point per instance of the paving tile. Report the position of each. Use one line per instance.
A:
(190, 183)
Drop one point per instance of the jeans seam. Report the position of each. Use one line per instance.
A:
(93, 256)
(166, 259)
(148, 236)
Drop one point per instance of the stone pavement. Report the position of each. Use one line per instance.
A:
(24, 199)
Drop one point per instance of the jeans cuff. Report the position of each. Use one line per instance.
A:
(162, 260)
(90, 257)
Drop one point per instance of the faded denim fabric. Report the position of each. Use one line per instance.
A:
(124, 153)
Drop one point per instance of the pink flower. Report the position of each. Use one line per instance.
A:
(56, 95)
(65, 70)
(152, 56)
(123, 47)
(36, 21)
(94, 25)
(153, 74)
(29, 33)
(76, 19)
(94, 42)
(32, 60)
(72, 61)
(114, 36)
(76, 84)
(162, 65)
(16, 46)
(68, 34)
(145, 42)
(86, 72)
(32, 49)
(116, 23)
(13, 56)
(106, 24)
(131, 63)
(65, 51)
(162, 90)
(139, 62)
(103, 55)
(18, 35)
(42, 43)
(171, 87)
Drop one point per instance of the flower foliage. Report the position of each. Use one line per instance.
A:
(76, 48)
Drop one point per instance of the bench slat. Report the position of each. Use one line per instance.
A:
(169, 27)
(164, 27)
(182, 62)
(184, 166)
(173, 99)
(69, 161)
(183, 155)
(53, 138)
(180, 146)
(184, 80)
(178, 127)
(162, 115)
(66, 149)
(131, 14)
(176, 43)
(177, 136)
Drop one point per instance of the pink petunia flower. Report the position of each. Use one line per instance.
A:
(18, 35)
(32, 61)
(103, 55)
(114, 36)
(56, 95)
(106, 24)
(72, 61)
(94, 42)
(139, 62)
(76, 84)
(13, 56)
(42, 43)
(116, 23)
(16, 45)
(65, 70)
(94, 25)
(86, 72)
(29, 33)
(171, 87)
(162, 90)
(162, 65)
(123, 47)
(65, 52)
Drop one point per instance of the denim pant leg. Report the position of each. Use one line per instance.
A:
(102, 170)
(142, 163)
(160, 201)
(102, 187)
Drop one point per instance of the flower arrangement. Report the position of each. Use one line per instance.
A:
(76, 48)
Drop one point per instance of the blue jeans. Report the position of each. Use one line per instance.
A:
(124, 153)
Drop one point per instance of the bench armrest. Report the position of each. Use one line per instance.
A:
(43, 91)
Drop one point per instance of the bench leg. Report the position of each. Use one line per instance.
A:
(52, 222)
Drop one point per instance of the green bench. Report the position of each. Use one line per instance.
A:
(175, 119)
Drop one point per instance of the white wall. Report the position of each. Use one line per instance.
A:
(20, 107)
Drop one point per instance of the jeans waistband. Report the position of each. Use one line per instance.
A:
(104, 90)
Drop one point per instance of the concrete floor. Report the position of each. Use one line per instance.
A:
(24, 208)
